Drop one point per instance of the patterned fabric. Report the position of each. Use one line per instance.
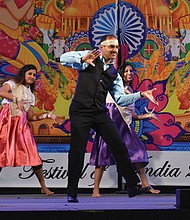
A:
(22, 93)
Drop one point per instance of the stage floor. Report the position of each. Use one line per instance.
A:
(58, 202)
(109, 206)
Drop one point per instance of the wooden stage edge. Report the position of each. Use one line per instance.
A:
(65, 139)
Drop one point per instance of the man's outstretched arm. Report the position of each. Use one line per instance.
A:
(122, 99)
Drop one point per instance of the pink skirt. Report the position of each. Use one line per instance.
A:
(17, 144)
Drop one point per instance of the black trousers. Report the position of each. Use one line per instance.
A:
(81, 123)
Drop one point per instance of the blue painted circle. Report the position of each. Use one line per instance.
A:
(131, 27)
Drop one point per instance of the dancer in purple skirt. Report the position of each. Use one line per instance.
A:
(101, 155)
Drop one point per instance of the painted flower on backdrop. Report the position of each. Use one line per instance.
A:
(46, 94)
(151, 132)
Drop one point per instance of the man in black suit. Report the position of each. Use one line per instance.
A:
(97, 76)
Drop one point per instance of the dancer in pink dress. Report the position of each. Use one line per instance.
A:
(17, 144)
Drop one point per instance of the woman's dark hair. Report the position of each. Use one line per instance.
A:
(20, 77)
(122, 69)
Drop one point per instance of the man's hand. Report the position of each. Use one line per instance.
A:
(90, 57)
(148, 94)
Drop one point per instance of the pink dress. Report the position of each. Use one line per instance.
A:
(17, 144)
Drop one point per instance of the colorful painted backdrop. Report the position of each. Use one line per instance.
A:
(154, 35)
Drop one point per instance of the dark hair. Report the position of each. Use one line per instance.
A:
(107, 36)
(122, 69)
(20, 77)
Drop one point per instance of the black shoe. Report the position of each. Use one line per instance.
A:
(72, 199)
(136, 190)
(146, 189)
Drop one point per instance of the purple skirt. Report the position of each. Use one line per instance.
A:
(101, 154)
